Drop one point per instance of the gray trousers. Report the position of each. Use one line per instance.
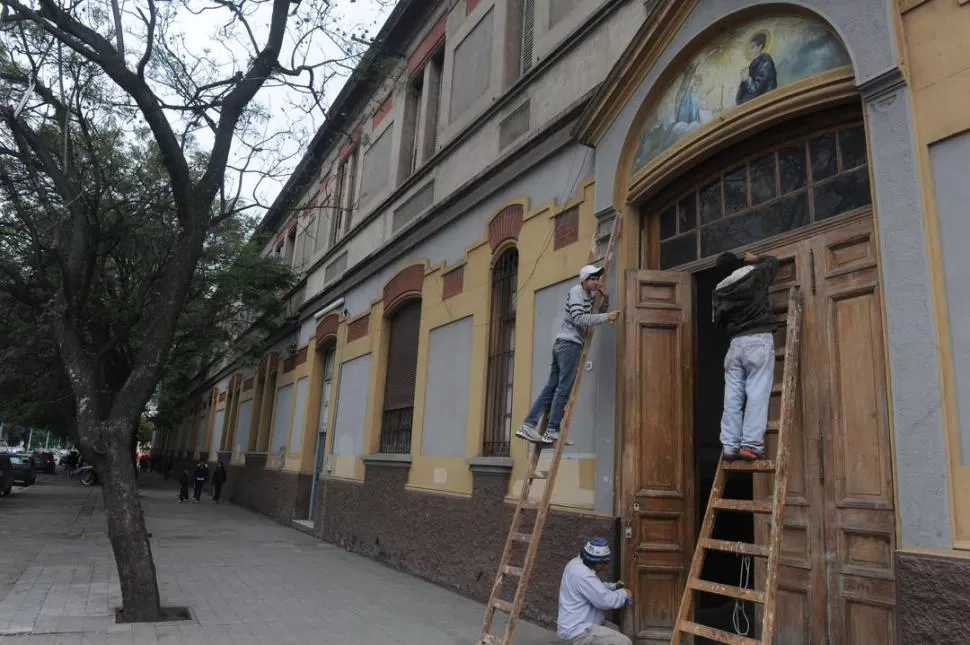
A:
(597, 635)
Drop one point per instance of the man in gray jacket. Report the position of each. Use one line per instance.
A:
(566, 351)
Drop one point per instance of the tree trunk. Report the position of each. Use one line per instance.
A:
(126, 527)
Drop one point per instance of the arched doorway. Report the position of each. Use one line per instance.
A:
(798, 190)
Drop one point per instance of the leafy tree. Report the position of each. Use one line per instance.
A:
(122, 239)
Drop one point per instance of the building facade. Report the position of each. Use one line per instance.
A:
(480, 157)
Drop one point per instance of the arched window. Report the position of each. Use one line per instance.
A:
(774, 191)
(402, 369)
(501, 355)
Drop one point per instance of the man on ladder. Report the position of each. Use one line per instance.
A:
(566, 351)
(741, 306)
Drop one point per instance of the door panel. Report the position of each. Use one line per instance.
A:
(801, 580)
(657, 461)
(858, 477)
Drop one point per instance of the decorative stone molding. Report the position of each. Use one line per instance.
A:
(490, 465)
(387, 460)
(408, 280)
(327, 327)
(883, 86)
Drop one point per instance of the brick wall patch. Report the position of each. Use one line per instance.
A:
(453, 283)
(506, 225)
(301, 355)
(566, 227)
(358, 328)
(382, 112)
(435, 36)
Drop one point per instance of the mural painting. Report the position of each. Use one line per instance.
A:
(738, 66)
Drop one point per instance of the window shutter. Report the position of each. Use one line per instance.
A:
(402, 357)
(528, 35)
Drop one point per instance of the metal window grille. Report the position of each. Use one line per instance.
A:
(528, 36)
(501, 354)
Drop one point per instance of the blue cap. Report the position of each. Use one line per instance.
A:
(597, 551)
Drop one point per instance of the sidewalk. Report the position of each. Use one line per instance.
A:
(246, 580)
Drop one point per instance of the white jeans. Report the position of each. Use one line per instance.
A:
(749, 370)
(598, 635)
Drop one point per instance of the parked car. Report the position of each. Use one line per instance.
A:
(22, 468)
(44, 462)
(6, 475)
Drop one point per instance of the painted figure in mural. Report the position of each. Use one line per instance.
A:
(566, 351)
(583, 598)
(742, 308)
(760, 76)
(690, 112)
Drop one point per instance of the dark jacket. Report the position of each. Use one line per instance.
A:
(219, 477)
(740, 302)
(202, 473)
(184, 479)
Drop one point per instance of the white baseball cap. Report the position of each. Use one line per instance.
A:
(590, 271)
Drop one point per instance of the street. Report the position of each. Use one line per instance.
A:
(245, 579)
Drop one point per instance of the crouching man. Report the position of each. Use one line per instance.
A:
(583, 598)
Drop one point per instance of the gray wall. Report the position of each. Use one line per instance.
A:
(244, 419)
(472, 67)
(866, 28)
(376, 167)
(556, 178)
(299, 415)
(446, 394)
(951, 160)
(282, 415)
(352, 406)
(217, 431)
(592, 424)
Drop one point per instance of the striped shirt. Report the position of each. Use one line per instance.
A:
(578, 318)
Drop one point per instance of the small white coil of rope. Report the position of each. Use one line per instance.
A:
(739, 616)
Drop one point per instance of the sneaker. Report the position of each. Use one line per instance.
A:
(750, 454)
(552, 436)
(729, 455)
(529, 434)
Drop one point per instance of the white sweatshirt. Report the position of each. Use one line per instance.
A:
(583, 598)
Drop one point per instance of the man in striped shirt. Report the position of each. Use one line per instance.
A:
(566, 351)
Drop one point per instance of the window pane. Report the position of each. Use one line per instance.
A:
(679, 250)
(763, 180)
(791, 166)
(711, 202)
(845, 193)
(824, 163)
(853, 146)
(736, 191)
(688, 213)
(668, 223)
(781, 216)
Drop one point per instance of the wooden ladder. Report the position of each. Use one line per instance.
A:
(766, 597)
(523, 572)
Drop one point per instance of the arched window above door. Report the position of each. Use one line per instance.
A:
(774, 191)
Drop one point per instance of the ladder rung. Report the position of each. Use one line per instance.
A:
(776, 388)
(761, 466)
(522, 537)
(716, 634)
(779, 352)
(529, 505)
(738, 548)
(502, 605)
(727, 590)
(773, 427)
(488, 639)
(513, 571)
(745, 505)
(540, 474)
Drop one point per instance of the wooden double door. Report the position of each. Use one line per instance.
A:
(837, 578)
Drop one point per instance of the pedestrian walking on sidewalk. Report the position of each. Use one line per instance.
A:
(184, 486)
(201, 476)
(219, 478)
(742, 308)
(566, 350)
(583, 598)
